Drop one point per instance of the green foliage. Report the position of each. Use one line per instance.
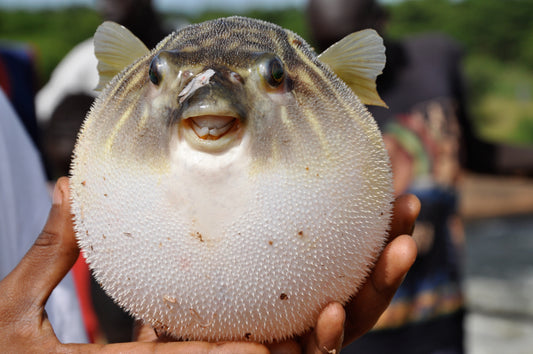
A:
(497, 37)
(501, 100)
(481, 70)
(502, 29)
(523, 131)
(52, 34)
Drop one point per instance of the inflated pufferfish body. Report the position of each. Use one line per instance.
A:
(228, 185)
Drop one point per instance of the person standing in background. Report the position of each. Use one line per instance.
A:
(430, 140)
(423, 129)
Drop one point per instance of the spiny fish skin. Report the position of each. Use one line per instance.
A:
(228, 185)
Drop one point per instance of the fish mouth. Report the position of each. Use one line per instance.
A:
(212, 132)
(212, 127)
(211, 112)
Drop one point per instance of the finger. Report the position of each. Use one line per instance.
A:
(326, 337)
(286, 347)
(374, 297)
(51, 256)
(329, 332)
(145, 333)
(405, 211)
(171, 347)
(393, 265)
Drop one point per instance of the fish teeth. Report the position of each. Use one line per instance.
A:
(202, 132)
(214, 126)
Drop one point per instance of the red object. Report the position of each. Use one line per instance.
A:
(82, 282)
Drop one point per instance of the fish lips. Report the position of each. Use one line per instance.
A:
(212, 118)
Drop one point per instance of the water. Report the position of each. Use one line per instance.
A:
(499, 285)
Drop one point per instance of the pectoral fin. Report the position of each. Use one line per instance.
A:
(115, 48)
(358, 59)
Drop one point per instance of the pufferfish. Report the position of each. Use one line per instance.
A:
(230, 183)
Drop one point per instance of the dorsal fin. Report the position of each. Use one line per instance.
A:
(358, 59)
(115, 48)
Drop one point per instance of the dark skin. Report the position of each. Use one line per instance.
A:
(24, 326)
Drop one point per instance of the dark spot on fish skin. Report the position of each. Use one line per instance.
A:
(128, 234)
(247, 335)
(296, 42)
(83, 183)
(270, 243)
(103, 236)
(105, 194)
(198, 236)
(161, 331)
(381, 214)
(301, 233)
(283, 296)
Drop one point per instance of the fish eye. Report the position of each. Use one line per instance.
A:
(272, 69)
(154, 72)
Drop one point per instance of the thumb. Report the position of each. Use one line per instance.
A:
(51, 256)
(329, 330)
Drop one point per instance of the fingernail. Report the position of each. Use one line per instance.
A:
(57, 196)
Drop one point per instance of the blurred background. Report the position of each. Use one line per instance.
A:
(497, 39)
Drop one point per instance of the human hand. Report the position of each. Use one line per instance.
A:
(24, 326)
(337, 326)
(374, 297)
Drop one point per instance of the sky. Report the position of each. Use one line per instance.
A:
(186, 6)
